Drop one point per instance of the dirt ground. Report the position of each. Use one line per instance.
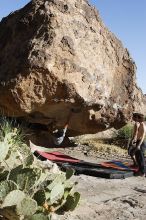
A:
(102, 199)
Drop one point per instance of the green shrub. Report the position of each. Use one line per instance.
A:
(125, 133)
(122, 136)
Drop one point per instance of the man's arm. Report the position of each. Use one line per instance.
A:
(68, 119)
(135, 132)
(142, 139)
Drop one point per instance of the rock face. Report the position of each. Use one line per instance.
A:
(140, 101)
(58, 54)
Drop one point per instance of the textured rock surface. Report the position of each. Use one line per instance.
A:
(109, 199)
(55, 55)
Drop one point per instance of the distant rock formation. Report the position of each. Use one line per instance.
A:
(56, 55)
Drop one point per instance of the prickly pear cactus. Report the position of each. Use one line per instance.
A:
(13, 198)
(4, 149)
(24, 178)
(56, 193)
(26, 207)
(6, 187)
(27, 190)
(39, 216)
(69, 173)
(72, 201)
(40, 197)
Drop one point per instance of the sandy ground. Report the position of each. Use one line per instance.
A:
(103, 199)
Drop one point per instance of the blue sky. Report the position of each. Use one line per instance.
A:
(125, 18)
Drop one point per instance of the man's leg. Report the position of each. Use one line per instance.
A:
(131, 152)
(143, 149)
(140, 160)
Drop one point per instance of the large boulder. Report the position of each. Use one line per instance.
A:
(56, 55)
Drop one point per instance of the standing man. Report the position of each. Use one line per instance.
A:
(137, 153)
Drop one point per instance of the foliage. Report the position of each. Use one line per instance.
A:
(28, 191)
(123, 136)
(7, 129)
(125, 132)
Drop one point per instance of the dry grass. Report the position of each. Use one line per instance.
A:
(109, 148)
(102, 147)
